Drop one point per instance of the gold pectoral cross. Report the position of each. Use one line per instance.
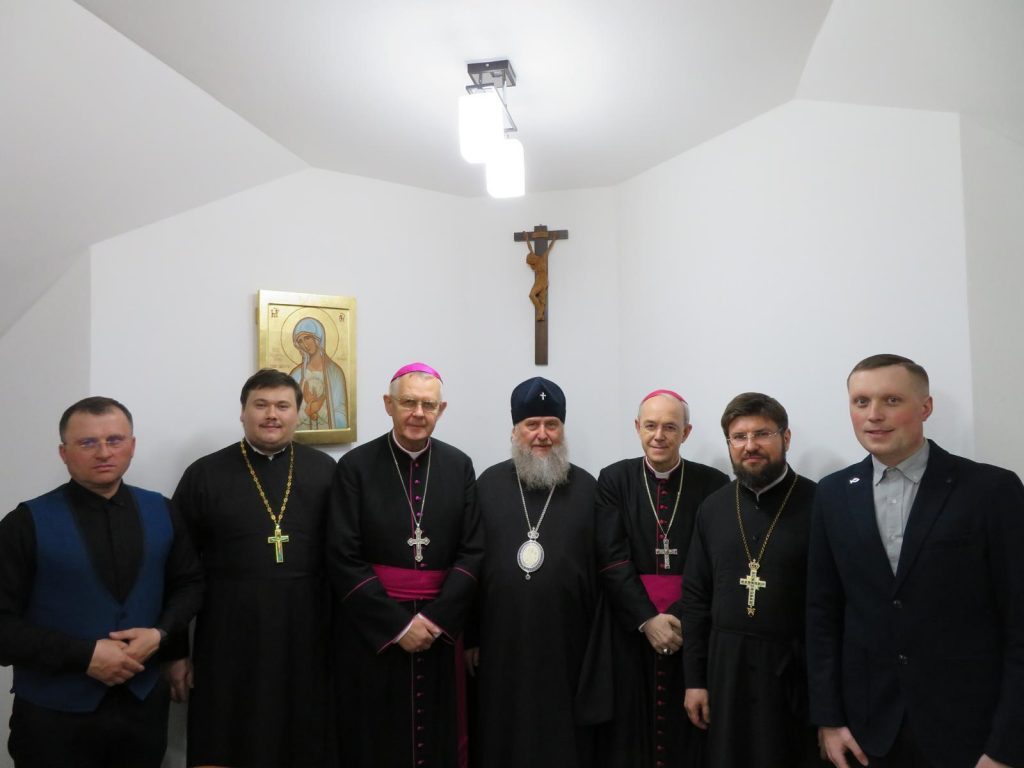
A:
(752, 583)
(419, 541)
(278, 541)
(665, 553)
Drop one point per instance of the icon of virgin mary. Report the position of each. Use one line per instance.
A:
(324, 391)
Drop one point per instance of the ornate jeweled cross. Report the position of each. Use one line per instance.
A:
(752, 583)
(419, 541)
(665, 552)
(278, 541)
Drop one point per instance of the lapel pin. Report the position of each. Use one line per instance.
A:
(854, 480)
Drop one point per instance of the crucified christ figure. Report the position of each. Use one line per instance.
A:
(539, 292)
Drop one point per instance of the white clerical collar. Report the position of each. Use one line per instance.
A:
(411, 454)
(770, 485)
(270, 456)
(662, 475)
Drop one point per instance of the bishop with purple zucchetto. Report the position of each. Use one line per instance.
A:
(403, 554)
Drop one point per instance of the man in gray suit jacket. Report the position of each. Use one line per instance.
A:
(915, 592)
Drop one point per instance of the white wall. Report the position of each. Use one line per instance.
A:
(437, 278)
(775, 256)
(45, 359)
(994, 204)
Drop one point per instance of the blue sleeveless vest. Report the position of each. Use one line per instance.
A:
(69, 596)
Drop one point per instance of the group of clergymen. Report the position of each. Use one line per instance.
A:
(394, 610)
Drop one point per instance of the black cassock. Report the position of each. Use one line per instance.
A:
(260, 653)
(753, 666)
(396, 708)
(543, 676)
(650, 727)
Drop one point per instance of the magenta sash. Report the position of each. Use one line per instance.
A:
(409, 583)
(412, 584)
(663, 590)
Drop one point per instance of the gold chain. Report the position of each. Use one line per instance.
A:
(752, 562)
(287, 490)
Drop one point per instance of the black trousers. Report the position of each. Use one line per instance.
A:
(122, 732)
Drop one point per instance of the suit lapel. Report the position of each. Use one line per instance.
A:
(861, 498)
(936, 485)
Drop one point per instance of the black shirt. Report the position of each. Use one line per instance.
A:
(112, 533)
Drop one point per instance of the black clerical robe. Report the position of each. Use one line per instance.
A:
(752, 666)
(260, 645)
(398, 709)
(650, 727)
(541, 654)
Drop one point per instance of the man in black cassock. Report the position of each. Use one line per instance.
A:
(743, 600)
(403, 554)
(538, 646)
(646, 509)
(257, 512)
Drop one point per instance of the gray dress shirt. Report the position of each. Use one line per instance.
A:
(895, 489)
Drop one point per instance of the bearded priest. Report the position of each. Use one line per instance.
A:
(743, 599)
(537, 635)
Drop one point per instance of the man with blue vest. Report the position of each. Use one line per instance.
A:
(93, 576)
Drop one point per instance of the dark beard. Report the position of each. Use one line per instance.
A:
(768, 474)
(539, 473)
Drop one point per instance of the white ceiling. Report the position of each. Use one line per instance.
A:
(606, 88)
(117, 113)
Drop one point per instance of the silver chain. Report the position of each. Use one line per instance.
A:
(526, 514)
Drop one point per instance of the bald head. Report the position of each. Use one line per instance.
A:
(662, 424)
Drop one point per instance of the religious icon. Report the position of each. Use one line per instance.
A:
(312, 339)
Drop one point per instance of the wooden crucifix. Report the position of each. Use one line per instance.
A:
(540, 242)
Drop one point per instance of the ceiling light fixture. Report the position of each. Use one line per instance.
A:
(486, 128)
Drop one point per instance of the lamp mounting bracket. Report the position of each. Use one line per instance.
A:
(496, 74)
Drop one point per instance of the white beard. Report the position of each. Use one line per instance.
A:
(539, 473)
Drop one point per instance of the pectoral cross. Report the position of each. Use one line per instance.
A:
(665, 552)
(752, 583)
(539, 243)
(419, 541)
(278, 541)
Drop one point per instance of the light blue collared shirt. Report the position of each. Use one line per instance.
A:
(895, 489)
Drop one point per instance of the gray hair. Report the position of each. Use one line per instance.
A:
(397, 383)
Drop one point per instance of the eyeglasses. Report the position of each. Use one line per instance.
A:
(739, 439)
(90, 444)
(411, 404)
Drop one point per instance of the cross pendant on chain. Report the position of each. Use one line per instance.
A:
(278, 541)
(419, 541)
(752, 583)
(665, 553)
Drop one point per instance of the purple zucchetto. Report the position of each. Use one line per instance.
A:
(668, 392)
(537, 397)
(417, 367)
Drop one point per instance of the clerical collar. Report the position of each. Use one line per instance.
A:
(411, 454)
(270, 456)
(776, 481)
(662, 475)
(912, 467)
